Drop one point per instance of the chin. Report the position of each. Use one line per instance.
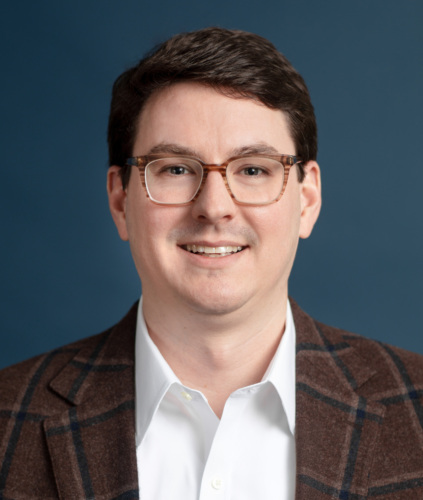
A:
(217, 302)
(216, 309)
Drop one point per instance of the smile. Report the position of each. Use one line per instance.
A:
(221, 251)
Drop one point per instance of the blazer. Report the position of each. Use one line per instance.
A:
(67, 425)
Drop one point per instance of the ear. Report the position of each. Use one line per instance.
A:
(117, 200)
(311, 198)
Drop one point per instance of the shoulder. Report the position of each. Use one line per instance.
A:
(380, 356)
(384, 367)
(32, 382)
(33, 375)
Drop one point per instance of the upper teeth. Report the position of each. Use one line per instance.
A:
(211, 250)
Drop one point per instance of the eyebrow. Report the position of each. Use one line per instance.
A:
(260, 148)
(176, 149)
(170, 148)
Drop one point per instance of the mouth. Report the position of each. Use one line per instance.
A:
(218, 251)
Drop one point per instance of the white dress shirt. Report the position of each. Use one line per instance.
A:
(184, 452)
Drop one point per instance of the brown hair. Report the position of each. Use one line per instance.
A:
(235, 63)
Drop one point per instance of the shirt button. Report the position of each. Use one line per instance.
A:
(186, 395)
(217, 483)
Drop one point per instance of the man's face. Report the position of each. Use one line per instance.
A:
(197, 120)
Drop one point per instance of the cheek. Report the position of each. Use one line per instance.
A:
(140, 216)
(144, 241)
(278, 232)
(280, 222)
(149, 229)
(140, 226)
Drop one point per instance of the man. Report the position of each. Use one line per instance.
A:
(197, 392)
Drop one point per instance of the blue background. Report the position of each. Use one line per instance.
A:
(64, 272)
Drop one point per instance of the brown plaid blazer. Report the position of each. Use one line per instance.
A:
(67, 419)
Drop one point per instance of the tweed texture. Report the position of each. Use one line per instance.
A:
(67, 427)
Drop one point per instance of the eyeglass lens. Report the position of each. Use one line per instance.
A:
(255, 180)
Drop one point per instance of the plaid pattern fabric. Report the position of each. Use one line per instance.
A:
(67, 425)
(359, 416)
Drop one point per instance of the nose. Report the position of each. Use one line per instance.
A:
(214, 203)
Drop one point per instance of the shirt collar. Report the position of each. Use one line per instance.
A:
(154, 377)
(281, 371)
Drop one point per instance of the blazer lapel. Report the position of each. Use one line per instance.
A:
(92, 445)
(336, 427)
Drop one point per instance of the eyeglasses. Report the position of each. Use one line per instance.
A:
(249, 179)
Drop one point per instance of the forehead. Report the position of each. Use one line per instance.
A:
(204, 120)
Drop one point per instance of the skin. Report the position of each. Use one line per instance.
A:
(217, 321)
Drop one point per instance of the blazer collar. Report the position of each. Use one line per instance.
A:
(336, 427)
(92, 445)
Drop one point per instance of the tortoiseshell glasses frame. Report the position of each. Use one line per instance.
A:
(143, 162)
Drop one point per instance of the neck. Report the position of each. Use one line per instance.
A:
(217, 354)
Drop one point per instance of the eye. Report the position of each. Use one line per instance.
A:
(253, 171)
(178, 170)
(174, 169)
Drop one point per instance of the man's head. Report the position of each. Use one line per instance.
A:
(236, 63)
(214, 254)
